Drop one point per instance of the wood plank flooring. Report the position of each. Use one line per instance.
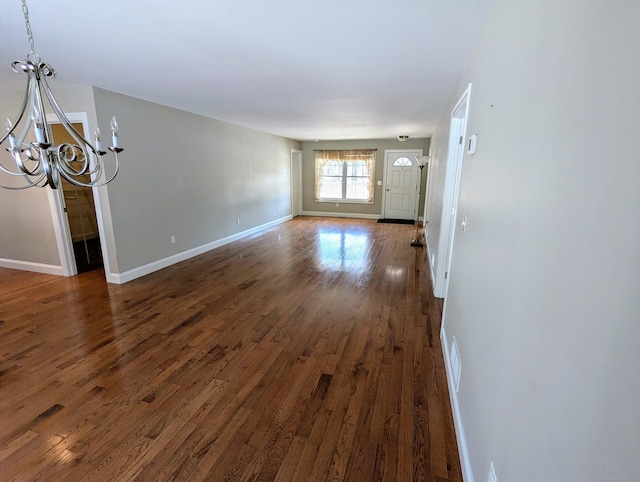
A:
(307, 352)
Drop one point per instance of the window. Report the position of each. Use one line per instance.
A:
(345, 175)
(402, 162)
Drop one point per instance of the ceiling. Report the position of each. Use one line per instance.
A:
(323, 69)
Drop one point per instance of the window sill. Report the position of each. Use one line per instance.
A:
(344, 201)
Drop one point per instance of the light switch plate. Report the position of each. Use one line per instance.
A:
(472, 144)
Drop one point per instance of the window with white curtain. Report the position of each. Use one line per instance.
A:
(345, 175)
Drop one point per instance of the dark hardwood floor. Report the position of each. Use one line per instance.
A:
(307, 352)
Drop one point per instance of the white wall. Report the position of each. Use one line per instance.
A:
(544, 290)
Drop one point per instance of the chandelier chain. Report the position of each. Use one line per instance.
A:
(27, 23)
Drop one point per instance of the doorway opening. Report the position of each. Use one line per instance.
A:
(453, 176)
(80, 211)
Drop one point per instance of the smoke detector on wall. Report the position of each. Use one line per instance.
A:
(403, 138)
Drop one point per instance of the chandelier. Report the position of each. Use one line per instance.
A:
(41, 162)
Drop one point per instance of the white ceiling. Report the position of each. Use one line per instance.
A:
(304, 69)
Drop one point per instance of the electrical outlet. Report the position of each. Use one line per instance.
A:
(492, 477)
(173, 240)
(238, 221)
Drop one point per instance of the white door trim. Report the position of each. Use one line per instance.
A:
(296, 156)
(60, 221)
(409, 153)
(427, 193)
(61, 229)
(455, 158)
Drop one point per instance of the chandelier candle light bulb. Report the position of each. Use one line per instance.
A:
(98, 143)
(38, 125)
(114, 132)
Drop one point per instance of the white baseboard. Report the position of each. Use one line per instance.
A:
(340, 215)
(433, 273)
(465, 462)
(120, 278)
(29, 266)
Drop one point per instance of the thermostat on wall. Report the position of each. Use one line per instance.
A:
(471, 145)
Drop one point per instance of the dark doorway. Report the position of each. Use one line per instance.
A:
(81, 213)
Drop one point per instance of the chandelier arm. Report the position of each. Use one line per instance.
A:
(38, 114)
(16, 153)
(29, 182)
(68, 174)
(79, 138)
(65, 163)
(69, 170)
(96, 172)
(37, 158)
(51, 173)
(75, 179)
(7, 171)
(23, 109)
(75, 182)
(31, 95)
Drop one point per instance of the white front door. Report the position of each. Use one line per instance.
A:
(401, 184)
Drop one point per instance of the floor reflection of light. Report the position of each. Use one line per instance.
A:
(393, 272)
(343, 251)
(58, 449)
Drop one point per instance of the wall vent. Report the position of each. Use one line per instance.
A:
(456, 367)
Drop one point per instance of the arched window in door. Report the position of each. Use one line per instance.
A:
(402, 162)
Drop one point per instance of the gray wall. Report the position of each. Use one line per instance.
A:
(181, 174)
(188, 176)
(544, 290)
(308, 174)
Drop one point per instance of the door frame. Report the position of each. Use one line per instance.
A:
(410, 153)
(62, 231)
(60, 221)
(296, 156)
(427, 191)
(451, 193)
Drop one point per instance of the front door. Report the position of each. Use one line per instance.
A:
(401, 190)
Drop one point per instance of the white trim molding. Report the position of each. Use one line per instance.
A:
(120, 278)
(29, 266)
(340, 215)
(463, 449)
(429, 257)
